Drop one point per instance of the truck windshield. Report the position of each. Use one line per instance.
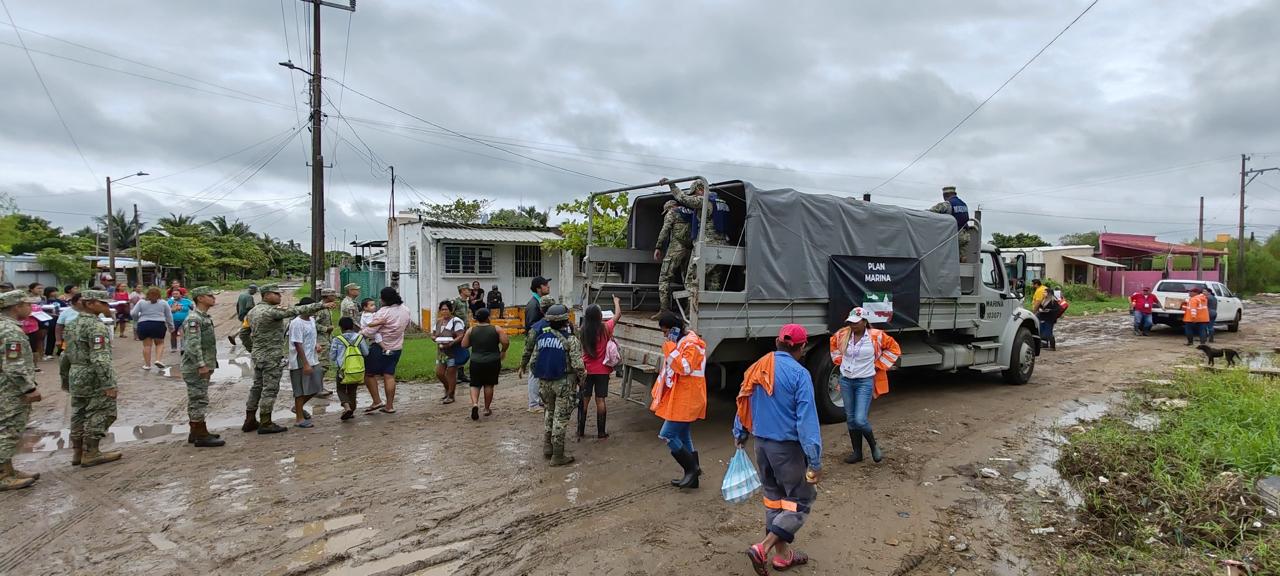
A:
(1179, 287)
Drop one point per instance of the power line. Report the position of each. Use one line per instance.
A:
(212, 162)
(259, 168)
(293, 88)
(48, 94)
(988, 99)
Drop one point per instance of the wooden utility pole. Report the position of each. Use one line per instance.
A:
(391, 210)
(1200, 251)
(1239, 283)
(137, 242)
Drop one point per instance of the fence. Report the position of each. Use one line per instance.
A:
(371, 282)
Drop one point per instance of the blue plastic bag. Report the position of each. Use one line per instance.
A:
(741, 481)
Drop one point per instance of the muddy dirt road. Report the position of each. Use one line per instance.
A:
(429, 492)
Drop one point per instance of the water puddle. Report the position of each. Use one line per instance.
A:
(440, 560)
(321, 526)
(1260, 361)
(1041, 474)
(36, 441)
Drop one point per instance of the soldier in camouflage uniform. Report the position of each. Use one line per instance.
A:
(693, 200)
(351, 303)
(199, 359)
(93, 379)
(17, 386)
(462, 309)
(324, 335)
(676, 238)
(559, 396)
(266, 322)
(953, 205)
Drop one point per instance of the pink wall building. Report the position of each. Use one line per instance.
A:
(1136, 252)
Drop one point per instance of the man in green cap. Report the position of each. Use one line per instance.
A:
(17, 385)
(351, 303)
(324, 334)
(243, 305)
(266, 322)
(199, 359)
(93, 380)
(557, 364)
(462, 309)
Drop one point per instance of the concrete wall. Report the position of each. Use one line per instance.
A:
(1124, 283)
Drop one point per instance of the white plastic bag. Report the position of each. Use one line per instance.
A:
(741, 481)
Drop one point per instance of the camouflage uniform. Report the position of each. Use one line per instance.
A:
(944, 207)
(92, 375)
(715, 274)
(350, 308)
(324, 330)
(462, 310)
(200, 350)
(676, 242)
(17, 378)
(268, 326)
(559, 396)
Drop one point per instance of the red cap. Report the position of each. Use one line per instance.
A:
(793, 333)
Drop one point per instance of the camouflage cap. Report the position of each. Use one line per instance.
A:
(558, 313)
(16, 297)
(201, 291)
(265, 288)
(546, 302)
(464, 286)
(328, 293)
(351, 286)
(948, 189)
(99, 295)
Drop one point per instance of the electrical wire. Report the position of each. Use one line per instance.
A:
(259, 168)
(988, 98)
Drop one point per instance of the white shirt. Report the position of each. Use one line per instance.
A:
(302, 332)
(859, 358)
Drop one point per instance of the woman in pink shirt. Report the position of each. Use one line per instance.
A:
(596, 333)
(386, 329)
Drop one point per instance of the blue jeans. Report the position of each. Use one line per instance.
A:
(1196, 330)
(1212, 326)
(1046, 329)
(677, 435)
(1142, 321)
(857, 401)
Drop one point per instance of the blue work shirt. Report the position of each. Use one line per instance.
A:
(790, 414)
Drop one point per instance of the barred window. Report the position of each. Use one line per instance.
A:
(462, 259)
(528, 261)
(413, 259)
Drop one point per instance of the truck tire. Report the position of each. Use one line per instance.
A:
(1023, 360)
(1235, 325)
(825, 378)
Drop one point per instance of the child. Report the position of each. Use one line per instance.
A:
(367, 308)
(304, 373)
(337, 353)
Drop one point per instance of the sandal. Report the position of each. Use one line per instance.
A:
(374, 408)
(488, 412)
(388, 410)
(447, 401)
(757, 554)
(798, 558)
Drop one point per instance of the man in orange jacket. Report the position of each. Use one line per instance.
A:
(1195, 316)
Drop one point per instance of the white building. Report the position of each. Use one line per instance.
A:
(427, 260)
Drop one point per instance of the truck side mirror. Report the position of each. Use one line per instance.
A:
(1019, 280)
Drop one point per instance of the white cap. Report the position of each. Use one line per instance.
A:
(856, 315)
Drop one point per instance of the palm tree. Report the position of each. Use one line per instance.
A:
(272, 248)
(218, 226)
(124, 227)
(538, 218)
(179, 225)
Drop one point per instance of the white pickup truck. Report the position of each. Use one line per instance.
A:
(1172, 293)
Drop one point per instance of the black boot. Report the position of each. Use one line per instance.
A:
(686, 461)
(582, 417)
(250, 421)
(697, 467)
(1053, 345)
(875, 450)
(600, 418)
(855, 439)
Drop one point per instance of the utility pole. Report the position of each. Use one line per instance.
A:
(1200, 251)
(137, 241)
(391, 210)
(111, 233)
(1245, 172)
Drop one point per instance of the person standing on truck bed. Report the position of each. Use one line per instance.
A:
(540, 287)
(953, 205)
(676, 238)
(717, 234)
(864, 356)
(680, 394)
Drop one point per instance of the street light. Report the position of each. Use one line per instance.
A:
(111, 229)
(290, 65)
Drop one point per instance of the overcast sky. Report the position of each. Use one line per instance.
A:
(1133, 114)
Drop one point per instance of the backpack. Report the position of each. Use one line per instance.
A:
(612, 355)
(553, 355)
(1062, 307)
(351, 371)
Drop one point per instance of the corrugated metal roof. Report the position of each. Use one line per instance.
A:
(492, 235)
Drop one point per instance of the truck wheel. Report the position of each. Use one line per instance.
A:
(1235, 326)
(825, 379)
(1023, 362)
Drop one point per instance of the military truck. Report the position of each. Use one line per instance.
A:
(809, 259)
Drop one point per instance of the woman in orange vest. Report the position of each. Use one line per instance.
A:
(863, 355)
(1195, 316)
(680, 394)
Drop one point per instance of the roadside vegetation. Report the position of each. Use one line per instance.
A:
(1181, 497)
(1084, 300)
(418, 361)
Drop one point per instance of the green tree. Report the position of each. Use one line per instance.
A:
(609, 225)
(218, 226)
(458, 212)
(522, 217)
(124, 228)
(233, 254)
(180, 225)
(1019, 240)
(69, 269)
(1080, 239)
(190, 254)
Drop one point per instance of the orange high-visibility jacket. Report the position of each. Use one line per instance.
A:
(680, 392)
(886, 353)
(1196, 309)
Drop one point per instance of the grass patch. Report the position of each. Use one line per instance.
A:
(1089, 307)
(1184, 490)
(418, 360)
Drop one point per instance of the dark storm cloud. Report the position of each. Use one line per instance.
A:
(842, 92)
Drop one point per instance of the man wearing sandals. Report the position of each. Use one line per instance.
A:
(776, 405)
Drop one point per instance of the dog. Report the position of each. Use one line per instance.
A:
(1210, 352)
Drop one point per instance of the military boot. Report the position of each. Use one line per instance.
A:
(559, 458)
(77, 451)
(270, 427)
(94, 457)
(250, 421)
(546, 445)
(8, 481)
(203, 438)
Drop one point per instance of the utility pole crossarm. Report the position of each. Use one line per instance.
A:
(350, 8)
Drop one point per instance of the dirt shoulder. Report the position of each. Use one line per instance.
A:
(427, 491)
